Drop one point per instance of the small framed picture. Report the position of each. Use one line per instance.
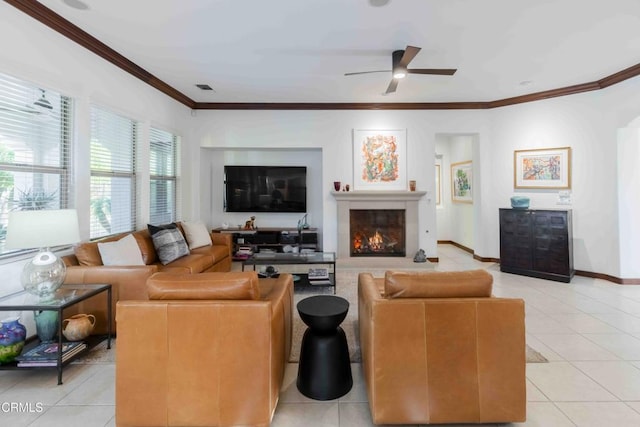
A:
(462, 182)
(545, 168)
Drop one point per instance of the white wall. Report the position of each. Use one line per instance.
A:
(586, 122)
(332, 133)
(629, 200)
(33, 52)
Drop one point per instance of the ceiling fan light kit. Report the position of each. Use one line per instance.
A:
(43, 103)
(399, 74)
(400, 60)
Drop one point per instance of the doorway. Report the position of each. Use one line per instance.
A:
(455, 217)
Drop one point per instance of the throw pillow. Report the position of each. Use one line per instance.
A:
(121, 252)
(168, 242)
(196, 234)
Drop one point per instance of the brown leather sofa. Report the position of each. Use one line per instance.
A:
(205, 350)
(438, 348)
(129, 282)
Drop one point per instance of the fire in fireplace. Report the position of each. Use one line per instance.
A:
(377, 232)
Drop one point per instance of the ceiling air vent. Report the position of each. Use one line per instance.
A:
(204, 86)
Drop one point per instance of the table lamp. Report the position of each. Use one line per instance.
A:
(43, 229)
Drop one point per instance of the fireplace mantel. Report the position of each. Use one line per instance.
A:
(407, 200)
(378, 195)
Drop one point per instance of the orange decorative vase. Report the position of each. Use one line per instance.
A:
(78, 327)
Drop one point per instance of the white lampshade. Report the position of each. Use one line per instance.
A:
(44, 228)
(46, 272)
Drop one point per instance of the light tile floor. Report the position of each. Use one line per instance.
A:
(588, 329)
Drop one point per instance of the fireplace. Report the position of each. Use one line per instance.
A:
(377, 232)
(376, 201)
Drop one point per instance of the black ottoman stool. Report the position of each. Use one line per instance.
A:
(324, 372)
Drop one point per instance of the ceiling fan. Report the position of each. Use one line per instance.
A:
(400, 61)
(41, 106)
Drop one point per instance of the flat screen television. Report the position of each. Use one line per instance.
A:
(265, 188)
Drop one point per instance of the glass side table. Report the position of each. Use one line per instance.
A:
(66, 296)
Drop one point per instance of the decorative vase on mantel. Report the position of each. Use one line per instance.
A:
(12, 337)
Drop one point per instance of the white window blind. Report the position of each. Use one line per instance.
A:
(113, 189)
(35, 150)
(164, 175)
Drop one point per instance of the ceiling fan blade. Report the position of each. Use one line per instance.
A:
(409, 53)
(392, 86)
(437, 71)
(367, 72)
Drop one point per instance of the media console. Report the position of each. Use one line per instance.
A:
(271, 239)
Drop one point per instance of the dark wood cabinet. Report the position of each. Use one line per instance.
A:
(537, 243)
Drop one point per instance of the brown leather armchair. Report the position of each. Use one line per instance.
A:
(207, 349)
(438, 348)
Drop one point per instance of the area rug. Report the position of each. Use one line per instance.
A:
(101, 355)
(347, 288)
(350, 327)
(98, 355)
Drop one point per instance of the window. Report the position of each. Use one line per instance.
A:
(113, 187)
(163, 169)
(35, 147)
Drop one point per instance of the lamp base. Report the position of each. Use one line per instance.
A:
(44, 274)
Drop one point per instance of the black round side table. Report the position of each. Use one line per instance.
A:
(324, 372)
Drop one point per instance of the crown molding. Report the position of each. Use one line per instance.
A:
(620, 76)
(341, 106)
(54, 21)
(57, 23)
(537, 96)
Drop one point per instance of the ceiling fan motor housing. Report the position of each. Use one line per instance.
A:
(395, 60)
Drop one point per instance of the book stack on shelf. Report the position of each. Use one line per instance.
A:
(319, 276)
(243, 252)
(46, 354)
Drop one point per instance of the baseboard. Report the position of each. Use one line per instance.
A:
(469, 250)
(601, 276)
(485, 259)
(456, 244)
(607, 277)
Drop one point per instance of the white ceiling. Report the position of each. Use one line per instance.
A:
(299, 50)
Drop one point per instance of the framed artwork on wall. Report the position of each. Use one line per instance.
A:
(438, 191)
(380, 159)
(461, 182)
(545, 168)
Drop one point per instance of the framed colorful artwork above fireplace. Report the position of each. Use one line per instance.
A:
(380, 159)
